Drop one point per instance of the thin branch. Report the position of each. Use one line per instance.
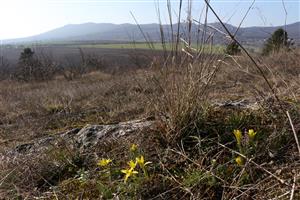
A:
(293, 188)
(247, 53)
(244, 18)
(285, 19)
(250, 161)
(294, 131)
(7, 175)
(178, 28)
(149, 43)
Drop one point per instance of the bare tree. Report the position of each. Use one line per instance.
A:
(34, 66)
(5, 70)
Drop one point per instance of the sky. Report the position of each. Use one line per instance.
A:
(22, 18)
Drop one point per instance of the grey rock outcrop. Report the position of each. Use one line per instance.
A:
(241, 104)
(91, 135)
(85, 138)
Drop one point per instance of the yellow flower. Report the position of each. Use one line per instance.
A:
(239, 160)
(238, 136)
(128, 173)
(133, 148)
(251, 133)
(132, 164)
(104, 162)
(141, 161)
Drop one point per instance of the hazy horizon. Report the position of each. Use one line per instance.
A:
(34, 17)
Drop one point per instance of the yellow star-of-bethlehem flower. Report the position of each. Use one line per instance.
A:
(141, 161)
(104, 162)
(128, 173)
(133, 148)
(238, 136)
(239, 160)
(251, 133)
(132, 164)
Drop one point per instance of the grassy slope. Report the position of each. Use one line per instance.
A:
(202, 169)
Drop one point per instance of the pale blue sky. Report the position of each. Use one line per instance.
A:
(21, 18)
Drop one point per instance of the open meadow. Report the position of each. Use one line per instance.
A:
(192, 109)
(195, 109)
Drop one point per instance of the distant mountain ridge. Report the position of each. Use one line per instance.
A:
(131, 32)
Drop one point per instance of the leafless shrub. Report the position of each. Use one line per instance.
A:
(35, 66)
(139, 59)
(5, 71)
(73, 68)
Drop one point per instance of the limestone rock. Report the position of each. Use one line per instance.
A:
(84, 138)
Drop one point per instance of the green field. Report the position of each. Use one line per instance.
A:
(145, 46)
(137, 45)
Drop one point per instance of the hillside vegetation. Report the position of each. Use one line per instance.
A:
(193, 151)
(190, 124)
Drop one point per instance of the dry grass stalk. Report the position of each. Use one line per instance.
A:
(294, 131)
